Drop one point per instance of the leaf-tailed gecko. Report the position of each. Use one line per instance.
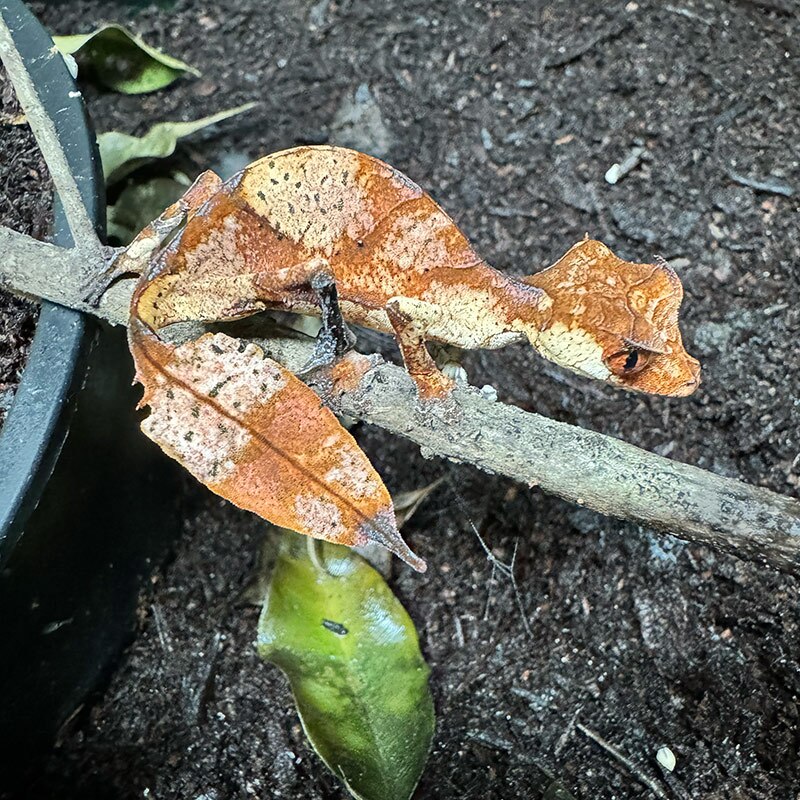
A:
(295, 228)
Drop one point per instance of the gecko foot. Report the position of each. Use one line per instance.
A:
(435, 398)
(98, 285)
(448, 360)
(454, 371)
(334, 338)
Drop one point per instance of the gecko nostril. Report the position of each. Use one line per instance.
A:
(692, 384)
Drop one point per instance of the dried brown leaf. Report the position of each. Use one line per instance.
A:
(258, 436)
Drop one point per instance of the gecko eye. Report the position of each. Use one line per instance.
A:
(628, 362)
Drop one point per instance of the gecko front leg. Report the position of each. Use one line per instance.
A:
(288, 284)
(133, 259)
(334, 338)
(409, 330)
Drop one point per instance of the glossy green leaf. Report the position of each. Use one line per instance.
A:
(119, 60)
(352, 657)
(122, 153)
(140, 203)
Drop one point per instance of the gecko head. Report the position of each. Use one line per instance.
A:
(616, 321)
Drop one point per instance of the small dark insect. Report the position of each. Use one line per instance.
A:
(334, 627)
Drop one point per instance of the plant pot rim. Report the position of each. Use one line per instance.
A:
(39, 417)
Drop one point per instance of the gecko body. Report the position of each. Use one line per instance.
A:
(329, 231)
(400, 265)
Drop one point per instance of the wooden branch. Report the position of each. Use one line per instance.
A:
(80, 224)
(40, 269)
(588, 468)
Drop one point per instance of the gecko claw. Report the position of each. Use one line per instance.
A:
(96, 286)
(454, 371)
(327, 350)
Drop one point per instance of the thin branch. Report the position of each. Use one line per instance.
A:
(54, 273)
(588, 468)
(568, 55)
(625, 761)
(778, 6)
(83, 232)
(769, 184)
(497, 564)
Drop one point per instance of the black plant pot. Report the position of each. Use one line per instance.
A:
(87, 504)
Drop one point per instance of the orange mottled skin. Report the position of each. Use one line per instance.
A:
(282, 234)
(401, 265)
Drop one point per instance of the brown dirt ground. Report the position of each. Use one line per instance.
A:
(510, 113)
(25, 196)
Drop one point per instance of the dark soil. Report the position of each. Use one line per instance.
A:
(25, 201)
(511, 113)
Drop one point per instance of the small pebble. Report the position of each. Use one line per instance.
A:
(613, 174)
(666, 758)
(489, 393)
(618, 171)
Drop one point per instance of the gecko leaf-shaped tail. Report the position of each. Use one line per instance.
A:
(256, 435)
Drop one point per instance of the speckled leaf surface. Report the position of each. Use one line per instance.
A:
(352, 657)
(256, 435)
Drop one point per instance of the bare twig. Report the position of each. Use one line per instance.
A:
(620, 169)
(497, 565)
(459, 631)
(588, 468)
(567, 732)
(161, 629)
(507, 212)
(624, 760)
(770, 185)
(57, 274)
(83, 232)
(204, 689)
(685, 12)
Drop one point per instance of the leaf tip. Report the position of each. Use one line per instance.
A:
(419, 564)
(382, 528)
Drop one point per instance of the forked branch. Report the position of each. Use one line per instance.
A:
(44, 130)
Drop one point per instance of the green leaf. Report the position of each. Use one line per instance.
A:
(140, 203)
(555, 791)
(117, 59)
(122, 153)
(352, 657)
